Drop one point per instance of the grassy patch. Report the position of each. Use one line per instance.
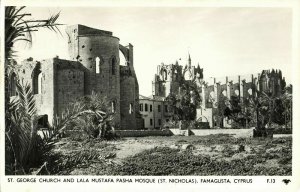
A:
(94, 157)
(166, 161)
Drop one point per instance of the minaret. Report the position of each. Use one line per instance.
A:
(189, 61)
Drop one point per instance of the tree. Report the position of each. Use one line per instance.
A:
(19, 27)
(234, 109)
(223, 108)
(99, 123)
(22, 144)
(268, 109)
(287, 100)
(184, 104)
(25, 149)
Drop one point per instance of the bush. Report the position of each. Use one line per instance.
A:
(99, 122)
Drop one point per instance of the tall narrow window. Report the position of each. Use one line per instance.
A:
(113, 66)
(158, 108)
(13, 81)
(165, 74)
(159, 121)
(150, 108)
(97, 65)
(40, 83)
(151, 122)
(37, 81)
(141, 107)
(130, 108)
(146, 107)
(113, 106)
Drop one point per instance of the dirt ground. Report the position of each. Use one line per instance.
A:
(218, 147)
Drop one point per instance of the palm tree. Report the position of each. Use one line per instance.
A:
(19, 27)
(20, 127)
(25, 149)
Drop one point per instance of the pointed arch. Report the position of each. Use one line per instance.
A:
(123, 60)
(165, 74)
(37, 80)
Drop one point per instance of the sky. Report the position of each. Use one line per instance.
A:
(223, 40)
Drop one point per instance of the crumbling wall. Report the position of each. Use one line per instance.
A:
(87, 45)
(45, 99)
(128, 110)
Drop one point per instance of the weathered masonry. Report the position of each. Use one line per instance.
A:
(94, 66)
(168, 77)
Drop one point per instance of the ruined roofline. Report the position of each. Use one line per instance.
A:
(30, 59)
(61, 63)
(90, 35)
(152, 98)
(84, 30)
(142, 97)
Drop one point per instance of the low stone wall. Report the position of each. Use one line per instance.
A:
(179, 132)
(281, 135)
(143, 133)
(203, 132)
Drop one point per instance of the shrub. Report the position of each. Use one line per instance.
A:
(97, 123)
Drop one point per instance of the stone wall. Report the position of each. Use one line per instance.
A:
(28, 72)
(143, 133)
(128, 110)
(98, 51)
(203, 132)
(70, 86)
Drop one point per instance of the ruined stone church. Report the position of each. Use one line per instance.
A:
(94, 66)
(168, 77)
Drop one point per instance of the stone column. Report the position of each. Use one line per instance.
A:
(203, 89)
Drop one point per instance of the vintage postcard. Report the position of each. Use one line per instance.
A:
(149, 96)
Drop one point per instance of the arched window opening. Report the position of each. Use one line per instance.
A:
(113, 66)
(123, 60)
(13, 82)
(250, 91)
(130, 108)
(237, 92)
(176, 74)
(97, 65)
(113, 106)
(165, 75)
(224, 92)
(146, 107)
(37, 82)
(40, 83)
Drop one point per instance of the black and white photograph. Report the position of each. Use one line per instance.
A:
(171, 91)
